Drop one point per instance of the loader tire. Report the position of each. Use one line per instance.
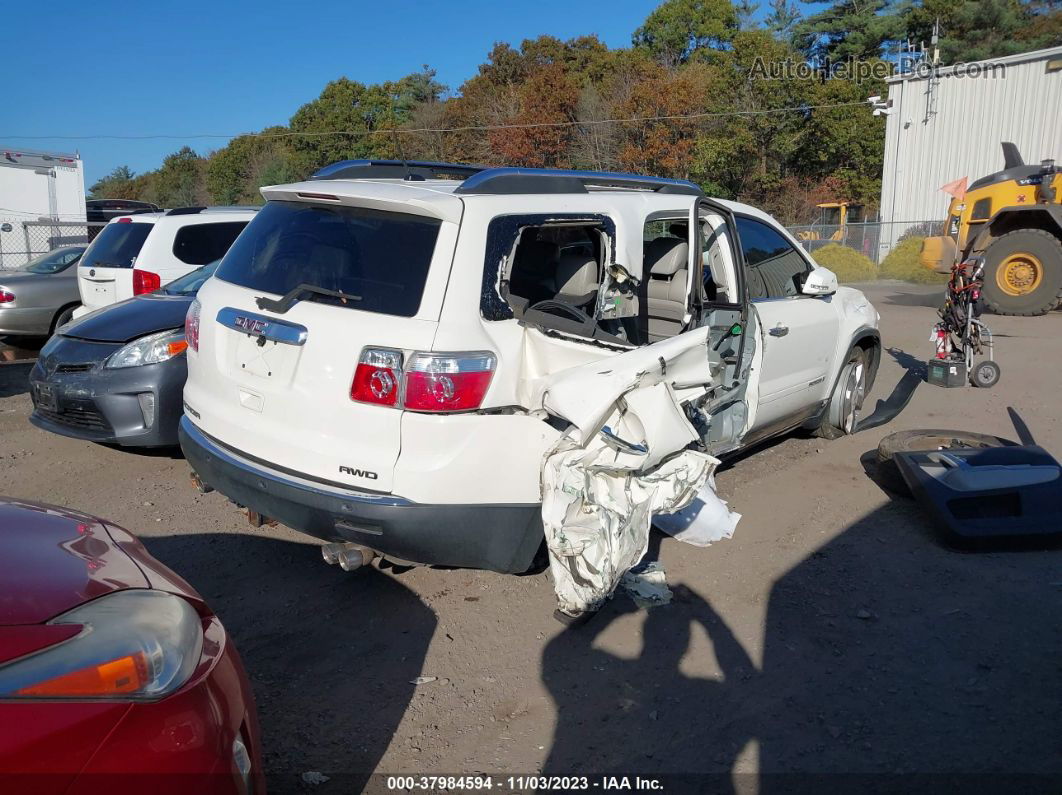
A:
(1023, 273)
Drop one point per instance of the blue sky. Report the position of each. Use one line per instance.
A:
(233, 66)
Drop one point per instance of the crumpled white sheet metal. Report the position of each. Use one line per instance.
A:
(705, 520)
(599, 497)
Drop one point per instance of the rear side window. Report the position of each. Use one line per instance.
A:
(117, 246)
(202, 243)
(381, 257)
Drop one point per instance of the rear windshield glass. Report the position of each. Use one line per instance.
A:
(199, 244)
(117, 246)
(381, 257)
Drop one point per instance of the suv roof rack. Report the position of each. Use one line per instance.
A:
(548, 180)
(413, 170)
(228, 208)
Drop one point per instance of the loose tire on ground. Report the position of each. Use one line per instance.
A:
(1024, 258)
(918, 441)
(842, 414)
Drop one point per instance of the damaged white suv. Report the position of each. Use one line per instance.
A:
(390, 351)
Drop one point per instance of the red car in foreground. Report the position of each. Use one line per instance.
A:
(115, 676)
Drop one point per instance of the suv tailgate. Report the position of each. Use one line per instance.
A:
(275, 385)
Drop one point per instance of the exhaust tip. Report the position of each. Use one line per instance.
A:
(330, 553)
(348, 556)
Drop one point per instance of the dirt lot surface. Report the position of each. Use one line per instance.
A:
(834, 634)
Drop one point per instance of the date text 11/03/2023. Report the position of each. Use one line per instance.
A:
(522, 783)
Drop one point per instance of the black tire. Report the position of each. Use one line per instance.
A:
(922, 440)
(836, 418)
(1047, 249)
(985, 375)
(63, 316)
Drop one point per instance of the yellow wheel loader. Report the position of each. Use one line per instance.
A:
(1012, 218)
(834, 218)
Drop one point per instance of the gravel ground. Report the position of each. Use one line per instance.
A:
(834, 634)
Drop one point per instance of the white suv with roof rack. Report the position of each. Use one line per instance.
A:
(386, 355)
(136, 254)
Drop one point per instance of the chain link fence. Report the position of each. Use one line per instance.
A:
(874, 239)
(21, 240)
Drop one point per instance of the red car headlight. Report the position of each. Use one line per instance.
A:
(135, 645)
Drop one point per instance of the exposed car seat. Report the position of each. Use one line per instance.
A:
(577, 279)
(667, 260)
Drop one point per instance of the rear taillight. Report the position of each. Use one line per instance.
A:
(145, 282)
(447, 381)
(378, 378)
(436, 382)
(191, 325)
(6, 297)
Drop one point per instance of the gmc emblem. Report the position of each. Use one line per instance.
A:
(252, 325)
(358, 473)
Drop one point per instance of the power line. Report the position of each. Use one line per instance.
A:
(467, 128)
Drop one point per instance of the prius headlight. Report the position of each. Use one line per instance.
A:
(152, 349)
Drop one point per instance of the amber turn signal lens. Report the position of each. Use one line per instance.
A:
(124, 675)
(177, 347)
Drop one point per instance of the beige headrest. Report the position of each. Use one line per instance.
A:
(576, 274)
(667, 255)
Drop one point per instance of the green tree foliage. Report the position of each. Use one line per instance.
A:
(857, 29)
(677, 29)
(366, 115)
(119, 184)
(180, 181)
(234, 174)
(555, 103)
(973, 30)
(781, 21)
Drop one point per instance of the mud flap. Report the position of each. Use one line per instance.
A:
(599, 496)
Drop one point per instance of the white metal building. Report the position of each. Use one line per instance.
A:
(37, 188)
(947, 126)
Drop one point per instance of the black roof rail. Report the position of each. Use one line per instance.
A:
(413, 170)
(218, 208)
(547, 180)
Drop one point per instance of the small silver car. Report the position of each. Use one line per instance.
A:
(42, 295)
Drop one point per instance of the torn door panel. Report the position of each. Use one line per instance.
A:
(585, 395)
(599, 495)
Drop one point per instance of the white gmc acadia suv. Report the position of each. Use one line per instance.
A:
(373, 360)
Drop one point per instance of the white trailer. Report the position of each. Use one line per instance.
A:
(42, 203)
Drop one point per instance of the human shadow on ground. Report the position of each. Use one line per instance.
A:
(330, 654)
(889, 663)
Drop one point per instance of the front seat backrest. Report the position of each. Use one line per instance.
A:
(577, 278)
(667, 260)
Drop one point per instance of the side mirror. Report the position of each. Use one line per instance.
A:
(821, 281)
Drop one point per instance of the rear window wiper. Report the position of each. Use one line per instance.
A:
(287, 301)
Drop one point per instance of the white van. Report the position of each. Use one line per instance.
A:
(136, 254)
